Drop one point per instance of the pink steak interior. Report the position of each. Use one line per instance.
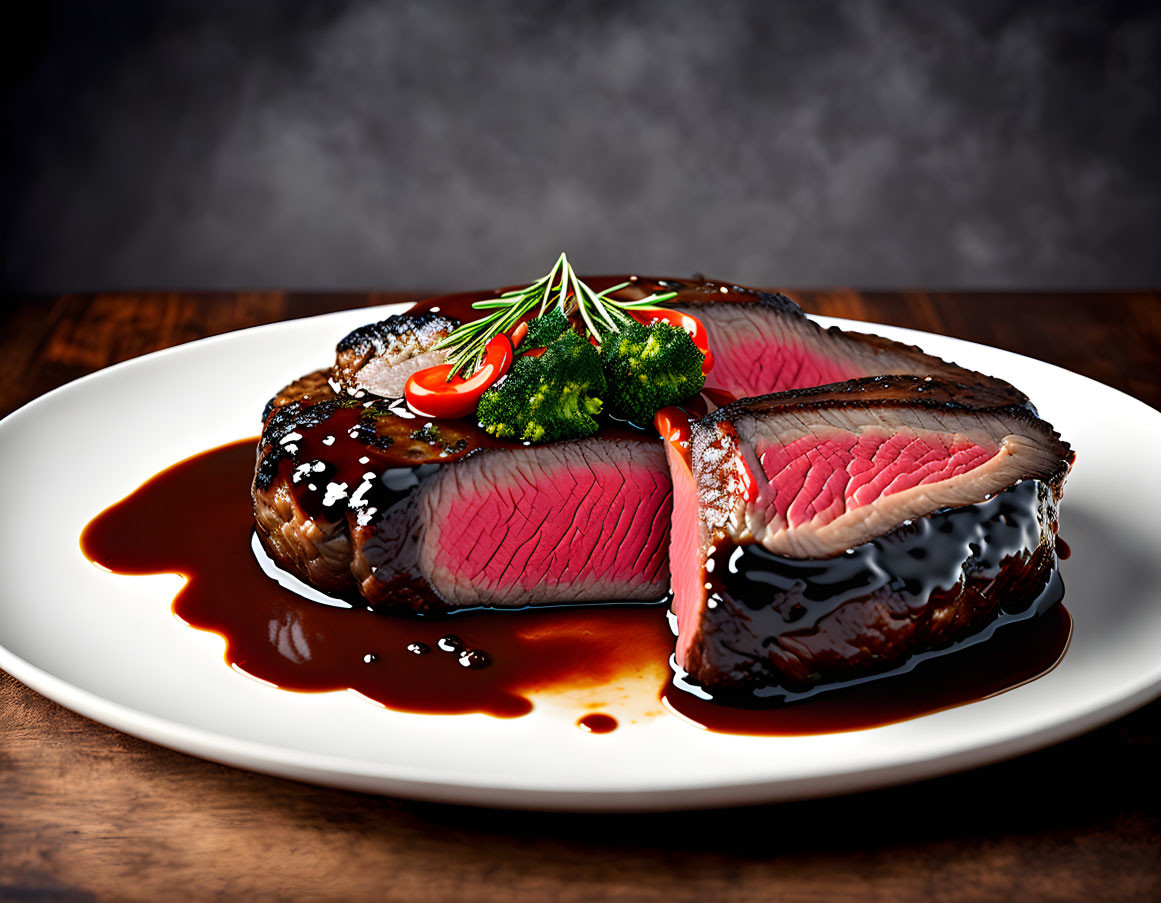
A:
(570, 526)
(813, 479)
(758, 366)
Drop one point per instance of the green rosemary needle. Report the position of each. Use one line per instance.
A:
(560, 287)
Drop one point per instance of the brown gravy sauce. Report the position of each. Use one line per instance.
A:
(195, 519)
(597, 723)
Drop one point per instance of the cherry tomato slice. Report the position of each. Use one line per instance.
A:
(647, 316)
(430, 393)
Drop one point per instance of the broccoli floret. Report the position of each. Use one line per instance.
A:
(543, 330)
(542, 399)
(649, 367)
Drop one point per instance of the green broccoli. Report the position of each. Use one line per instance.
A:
(649, 367)
(542, 330)
(542, 399)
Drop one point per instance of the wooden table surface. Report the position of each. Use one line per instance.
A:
(87, 812)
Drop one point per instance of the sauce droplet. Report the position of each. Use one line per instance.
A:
(1063, 550)
(597, 723)
(370, 658)
(418, 648)
(450, 643)
(475, 659)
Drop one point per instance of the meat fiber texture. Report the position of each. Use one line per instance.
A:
(813, 474)
(574, 522)
(763, 343)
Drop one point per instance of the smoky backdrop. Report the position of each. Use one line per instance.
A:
(458, 144)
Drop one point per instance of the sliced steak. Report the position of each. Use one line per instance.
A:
(835, 531)
(365, 501)
(376, 359)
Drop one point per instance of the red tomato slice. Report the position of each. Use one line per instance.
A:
(647, 316)
(430, 393)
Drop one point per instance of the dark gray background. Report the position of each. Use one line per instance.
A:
(438, 145)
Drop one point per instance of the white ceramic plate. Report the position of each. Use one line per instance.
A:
(107, 645)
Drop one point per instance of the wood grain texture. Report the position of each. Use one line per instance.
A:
(88, 813)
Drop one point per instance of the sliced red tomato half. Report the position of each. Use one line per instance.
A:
(430, 393)
(647, 316)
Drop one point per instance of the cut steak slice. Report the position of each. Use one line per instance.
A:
(363, 500)
(775, 497)
(575, 522)
(763, 342)
(830, 467)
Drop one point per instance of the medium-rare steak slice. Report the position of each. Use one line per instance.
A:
(763, 342)
(362, 499)
(827, 533)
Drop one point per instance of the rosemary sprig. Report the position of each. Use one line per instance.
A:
(562, 288)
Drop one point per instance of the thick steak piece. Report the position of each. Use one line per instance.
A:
(831, 532)
(363, 500)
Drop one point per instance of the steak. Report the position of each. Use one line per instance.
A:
(881, 506)
(368, 503)
(805, 523)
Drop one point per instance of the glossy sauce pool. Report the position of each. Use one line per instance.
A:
(196, 519)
